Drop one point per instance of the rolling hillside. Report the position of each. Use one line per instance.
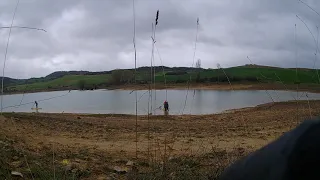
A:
(90, 80)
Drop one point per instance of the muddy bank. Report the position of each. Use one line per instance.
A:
(225, 86)
(101, 146)
(205, 86)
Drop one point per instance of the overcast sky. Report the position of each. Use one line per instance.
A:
(96, 35)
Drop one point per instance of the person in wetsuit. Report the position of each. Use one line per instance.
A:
(166, 105)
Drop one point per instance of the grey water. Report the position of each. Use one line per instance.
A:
(123, 101)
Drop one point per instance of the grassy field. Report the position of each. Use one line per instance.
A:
(264, 74)
(241, 74)
(70, 81)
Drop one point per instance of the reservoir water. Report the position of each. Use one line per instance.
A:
(123, 101)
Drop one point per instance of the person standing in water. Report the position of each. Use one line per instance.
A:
(166, 105)
(35, 102)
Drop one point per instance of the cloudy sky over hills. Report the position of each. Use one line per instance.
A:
(97, 35)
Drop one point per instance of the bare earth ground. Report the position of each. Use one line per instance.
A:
(73, 146)
(206, 86)
(225, 86)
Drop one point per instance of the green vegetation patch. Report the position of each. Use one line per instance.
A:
(241, 74)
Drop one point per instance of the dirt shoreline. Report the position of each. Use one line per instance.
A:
(314, 88)
(95, 144)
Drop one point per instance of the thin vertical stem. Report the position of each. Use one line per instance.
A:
(154, 70)
(148, 119)
(165, 157)
(295, 42)
(309, 105)
(261, 82)
(6, 53)
(226, 76)
(150, 97)
(25, 158)
(164, 74)
(315, 60)
(296, 59)
(194, 55)
(314, 39)
(154, 79)
(135, 75)
(287, 89)
(54, 168)
(151, 65)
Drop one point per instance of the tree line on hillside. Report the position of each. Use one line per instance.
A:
(121, 77)
(118, 77)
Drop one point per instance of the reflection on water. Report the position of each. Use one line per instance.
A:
(123, 102)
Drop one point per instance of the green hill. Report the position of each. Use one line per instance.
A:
(90, 80)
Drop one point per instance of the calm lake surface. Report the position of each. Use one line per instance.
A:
(123, 101)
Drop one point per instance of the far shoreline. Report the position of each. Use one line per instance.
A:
(312, 88)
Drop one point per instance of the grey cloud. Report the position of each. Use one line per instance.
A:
(97, 35)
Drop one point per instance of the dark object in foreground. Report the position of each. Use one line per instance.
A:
(295, 155)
